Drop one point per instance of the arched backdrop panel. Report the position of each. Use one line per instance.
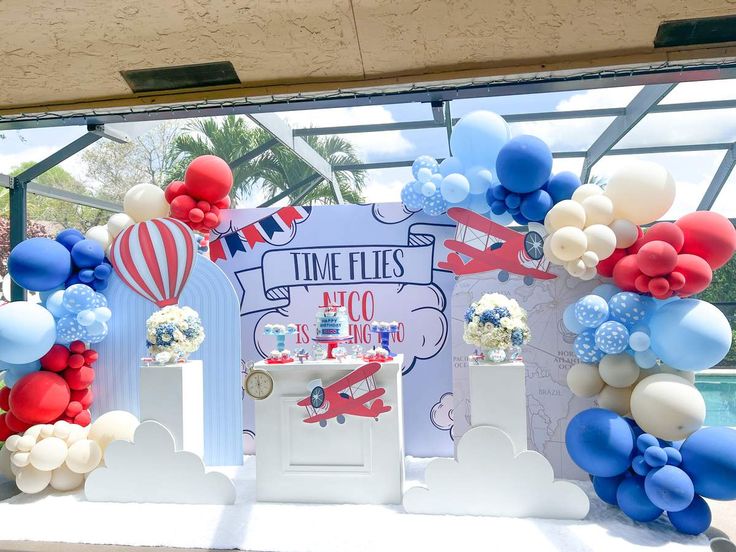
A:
(211, 294)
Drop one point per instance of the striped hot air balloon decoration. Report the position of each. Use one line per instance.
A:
(154, 258)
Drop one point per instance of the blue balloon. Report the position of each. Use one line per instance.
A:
(78, 297)
(479, 178)
(612, 337)
(709, 458)
(600, 441)
(87, 254)
(674, 458)
(55, 304)
(435, 205)
(585, 347)
(39, 264)
(455, 188)
(519, 218)
(640, 466)
(27, 332)
(669, 488)
(69, 237)
(694, 519)
(606, 487)
(451, 165)
(639, 341)
(504, 219)
(645, 359)
(410, 198)
(645, 441)
(424, 175)
(655, 456)
(68, 330)
(535, 205)
(513, 201)
(103, 271)
(591, 311)
(99, 301)
(102, 314)
(498, 207)
(628, 308)
(478, 137)
(633, 501)
(499, 192)
(524, 164)
(570, 320)
(86, 317)
(606, 291)
(477, 203)
(424, 161)
(690, 334)
(562, 185)
(13, 372)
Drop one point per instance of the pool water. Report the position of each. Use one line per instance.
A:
(719, 392)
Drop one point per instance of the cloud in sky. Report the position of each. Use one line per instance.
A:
(486, 479)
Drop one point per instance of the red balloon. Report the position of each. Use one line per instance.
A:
(181, 205)
(211, 220)
(677, 280)
(77, 347)
(659, 287)
(656, 258)
(625, 273)
(83, 396)
(667, 232)
(90, 356)
(173, 190)
(83, 418)
(642, 283)
(209, 178)
(5, 431)
(73, 409)
(76, 361)
(605, 266)
(39, 397)
(4, 397)
(204, 206)
(697, 273)
(56, 360)
(79, 379)
(15, 424)
(196, 215)
(708, 235)
(224, 203)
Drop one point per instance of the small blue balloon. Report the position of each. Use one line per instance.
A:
(645, 441)
(694, 519)
(451, 165)
(498, 207)
(410, 198)
(424, 175)
(480, 179)
(645, 359)
(78, 297)
(86, 317)
(600, 441)
(524, 164)
(86, 275)
(55, 304)
(428, 189)
(97, 332)
(424, 161)
(519, 218)
(455, 188)
(102, 314)
(570, 320)
(633, 501)
(39, 264)
(535, 205)
(504, 219)
(591, 311)
(606, 291)
(640, 466)
(513, 201)
(87, 254)
(585, 347)
(499, 192)
(477, 203)
(674, 458)
(606, 487)
(655, 456)
(612, 337)
(103, 271)
(628, 308)
(709, 458)
(99, 301)
(69, 237)
(562, 185)
(639, 341)
(435, 205)
(669, 488)
(68, 330)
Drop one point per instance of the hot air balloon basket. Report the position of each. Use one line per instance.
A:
(175, 330)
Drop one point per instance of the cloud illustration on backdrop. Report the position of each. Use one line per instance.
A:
(442, 414)
(150, 470)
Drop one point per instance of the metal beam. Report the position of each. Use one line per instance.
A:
(18, 223)
(305, 193)
(313, 178)
(647, 97)
(252, 154)
(448, 126)
(58, 156)
(719, 179)
(284, 134)
(71, 197)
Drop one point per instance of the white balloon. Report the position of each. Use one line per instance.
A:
(113, 426)
(49, 454)
(145, 202)
(62, 429)
(100, 235)
(598, 209)
(619, 370)
(63, 479)
(12, 443)
(626, 233)
(616, 399)
(47, 430)
(25, 443)
(641, 191)
(84, 456)
(585, 191)
(548, 253)
(568, 243)
(584, 381)
(20, 459)
(31, 481)
(118, 222)
(34, 432)
(565, 213)
(575, 268)
(5, 469)
(667, 406)
(77, 433)
(589, 273)
(601, 240)
(590, 259)
(667, 369)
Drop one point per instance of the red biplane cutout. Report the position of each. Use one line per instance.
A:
(353, 395)
(491, 246)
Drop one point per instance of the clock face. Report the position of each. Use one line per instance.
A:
(259, 384)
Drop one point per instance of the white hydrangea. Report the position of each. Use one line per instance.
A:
(496, 322)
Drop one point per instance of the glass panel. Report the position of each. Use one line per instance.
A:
(702, 91)
(726, 201)
(686, 127)
(384, 185)
(402, 145)
(566, 134)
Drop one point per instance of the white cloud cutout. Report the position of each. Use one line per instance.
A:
(487, 479)
(151, 470)
(442, 414)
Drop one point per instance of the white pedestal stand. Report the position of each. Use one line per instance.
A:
(498, 398)
(173, 395)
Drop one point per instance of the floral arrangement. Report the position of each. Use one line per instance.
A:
(496, 323)
(176, 330)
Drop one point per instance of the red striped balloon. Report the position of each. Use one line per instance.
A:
(154, 258)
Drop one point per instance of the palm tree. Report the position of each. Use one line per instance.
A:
(277, 169)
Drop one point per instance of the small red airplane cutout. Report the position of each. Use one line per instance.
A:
(491, 246)
(349, 396)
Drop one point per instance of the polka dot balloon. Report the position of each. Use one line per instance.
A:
(591, 311)
(68, 329)
(78, 297)
(586, 349)
(424, 162)
(628, 308)
(410, 198)
(612, 337)
(435, 205)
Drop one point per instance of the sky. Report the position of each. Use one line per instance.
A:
(692, 171)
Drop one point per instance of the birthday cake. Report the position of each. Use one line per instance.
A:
(332, 323)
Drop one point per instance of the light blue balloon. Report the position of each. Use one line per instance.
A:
(55, 304)
(645, 359)
(689, 334)
(606, 291)
(478, 204)
(585, 347)
(455, 188)
(436, 178)
(478, 137)
(570, 321)
(78, 297)
(435, 205)
(13, 372)
(27, 332)
(504, 219)
(612, 337)
(639, 341)
(424, 174)
(102, 314)
(44, 295)
(68, 330)
(411, 199)
(591, 311)
(96, 332)
(422, 162)
(629, 308)
(86, 317)
(451, 165)
(99, 301)
(428, 189)
(480, 179)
